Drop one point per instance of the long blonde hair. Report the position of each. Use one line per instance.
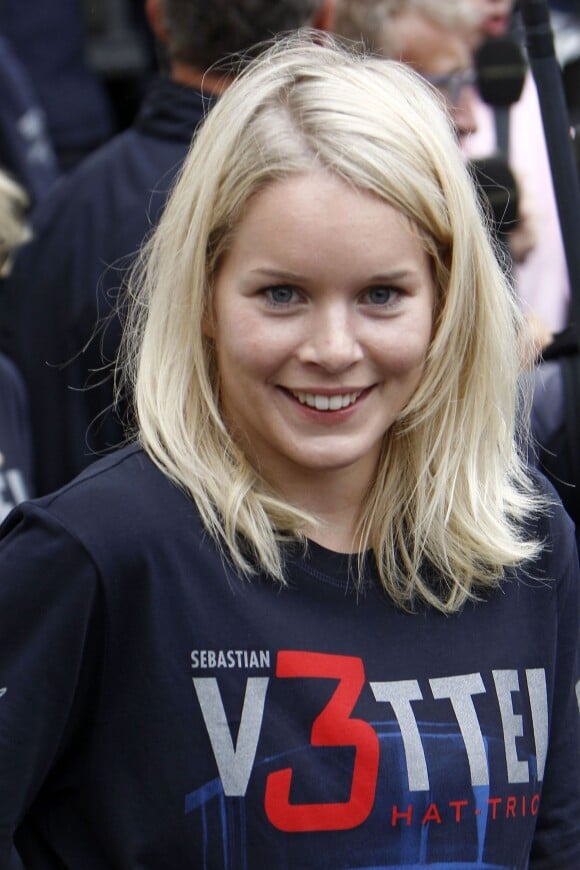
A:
(451, 489)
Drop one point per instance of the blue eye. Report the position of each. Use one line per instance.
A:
(281, 295)
(380, 295)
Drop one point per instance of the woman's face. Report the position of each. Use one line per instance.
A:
(323, 316)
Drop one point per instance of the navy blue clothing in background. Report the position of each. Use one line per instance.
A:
(86, 233)
(571, 6)
(26, 150)
(158, 711)
(15, 439)
(49, 40)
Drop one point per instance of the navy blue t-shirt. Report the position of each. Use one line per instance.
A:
(158, 711)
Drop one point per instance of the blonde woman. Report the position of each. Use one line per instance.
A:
(318, 614)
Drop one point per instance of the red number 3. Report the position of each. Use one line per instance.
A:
(333, 727)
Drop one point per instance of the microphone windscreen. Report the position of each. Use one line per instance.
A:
(498, 191)
(501, 69)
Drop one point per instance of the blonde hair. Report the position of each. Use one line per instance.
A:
(14, 228)
(451, 489)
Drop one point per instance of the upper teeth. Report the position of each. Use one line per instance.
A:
(327, 403)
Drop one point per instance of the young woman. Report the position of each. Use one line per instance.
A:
(318, 614)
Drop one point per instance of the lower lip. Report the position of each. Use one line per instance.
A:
(328, 417)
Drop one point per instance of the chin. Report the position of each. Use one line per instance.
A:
(329, 464)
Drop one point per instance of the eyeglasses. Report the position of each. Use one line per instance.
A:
(453, 84)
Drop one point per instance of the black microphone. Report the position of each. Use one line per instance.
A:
(501, 69)
(548, 78)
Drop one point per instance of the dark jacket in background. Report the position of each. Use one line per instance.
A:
(26, 150)
(15, 439)
(86, 232)
(49, 41)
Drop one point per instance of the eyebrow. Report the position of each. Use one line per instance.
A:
(379, 277)
(280, 275)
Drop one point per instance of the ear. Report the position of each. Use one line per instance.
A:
(325, 16)
(154, 13)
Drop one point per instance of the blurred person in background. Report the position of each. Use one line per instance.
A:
(435, 38)
(15, 436)
(16, 466)
(26, 149)
(565, 17)
(121, 50)
(49, 40)
(495, 17)
(541, 280)
(68, 280)
(429, 35)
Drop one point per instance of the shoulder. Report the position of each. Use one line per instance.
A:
(124, 480)
(555, 531)
(118, 506)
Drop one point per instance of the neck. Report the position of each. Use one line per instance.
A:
(336, 532)
(208, 82)
(335, 499)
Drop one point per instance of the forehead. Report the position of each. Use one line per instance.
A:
(430, 48)
(318, 220)
(312, 195)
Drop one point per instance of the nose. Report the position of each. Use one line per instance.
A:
(331, 339)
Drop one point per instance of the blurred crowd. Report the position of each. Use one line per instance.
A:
(99, 103)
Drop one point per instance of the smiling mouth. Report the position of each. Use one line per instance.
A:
(326, 403)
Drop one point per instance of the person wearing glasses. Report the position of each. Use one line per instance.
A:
(429, 35)
(541, 279)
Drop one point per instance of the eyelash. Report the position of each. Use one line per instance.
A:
(269, 291)
(394, 294)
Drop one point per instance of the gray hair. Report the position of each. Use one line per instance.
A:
(367, 21)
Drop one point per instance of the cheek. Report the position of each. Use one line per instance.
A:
(245, 351)
(236, 357)
(251, 341)
(405, 352)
